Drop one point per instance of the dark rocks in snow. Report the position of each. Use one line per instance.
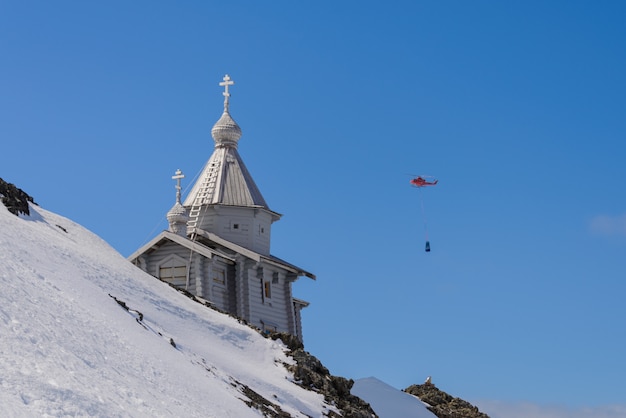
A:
(311, 374)
(256, 401)
(443, 405)
(16, 200)
(291, 341)
(120, 302)
(139, 317)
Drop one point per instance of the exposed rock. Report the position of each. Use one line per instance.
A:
(258, 402)
(291, 341)
(16, 200)
(443, 405)
(311, 374)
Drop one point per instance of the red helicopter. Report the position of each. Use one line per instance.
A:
(420, 181)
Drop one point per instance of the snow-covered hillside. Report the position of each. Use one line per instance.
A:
(68, 348)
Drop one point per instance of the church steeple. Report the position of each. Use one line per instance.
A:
(226, 182)
(177, 216)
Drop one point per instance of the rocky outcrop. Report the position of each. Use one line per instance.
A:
(443, 405)
(311, 374)
(16, 200)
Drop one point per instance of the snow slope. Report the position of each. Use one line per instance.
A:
(389, 402)
(68, 348)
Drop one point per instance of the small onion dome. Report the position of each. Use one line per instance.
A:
(226, 131)
(177, 218)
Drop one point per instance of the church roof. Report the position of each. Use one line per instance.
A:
(225, 179)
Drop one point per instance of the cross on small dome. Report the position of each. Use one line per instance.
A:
(227, 82)
(226, 132)
(177, 217)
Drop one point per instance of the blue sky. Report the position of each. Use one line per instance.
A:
(517, 108)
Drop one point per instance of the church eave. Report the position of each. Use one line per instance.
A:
(272, 260)
(275, 215)
(302, 303)
(185, 242)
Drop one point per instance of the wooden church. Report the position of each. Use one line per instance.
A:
(218, 243)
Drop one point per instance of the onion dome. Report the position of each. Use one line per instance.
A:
(177, 214)
(177, 217)
(226, 132)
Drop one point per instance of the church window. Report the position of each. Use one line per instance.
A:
(268, 289)
(238, 226)
(219, 276)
